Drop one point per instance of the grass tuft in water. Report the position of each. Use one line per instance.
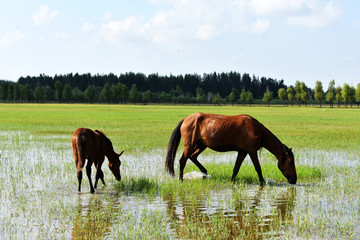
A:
(247, 173)
(140, 185)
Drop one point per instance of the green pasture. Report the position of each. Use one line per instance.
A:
(141, 127)
(38, 184)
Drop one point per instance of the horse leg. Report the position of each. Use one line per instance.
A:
(189, 151)
(183, 160)
(194, 156)
(99, 175)
(239, 159)
(102, 177)
(88, 173)
(255, 160)
(79, 167)
(79, 176)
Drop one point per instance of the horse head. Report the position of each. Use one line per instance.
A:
(114, 165)
(287, 165)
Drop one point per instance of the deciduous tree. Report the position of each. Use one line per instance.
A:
(249, 97)
(90, 93)
(58, 91)
(357, 95)
(217, 99)
(304, 93)
(243, 96)
(290, 95)
(39, 94)
(338, 96)
(200, 95)
(282, 95)
(330, 96)
(105, 94)
(345, 93)
(134, 94)
(67, 93)
(298, 92)
(268, 96)
(319, 92)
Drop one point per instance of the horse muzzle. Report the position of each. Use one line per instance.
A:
(118, 177)
(292, 180)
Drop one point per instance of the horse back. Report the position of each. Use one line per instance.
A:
(220, 132)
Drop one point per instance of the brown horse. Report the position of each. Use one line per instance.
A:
(94, 146)
(241, 133)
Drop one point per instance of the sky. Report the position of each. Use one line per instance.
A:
(305, 40)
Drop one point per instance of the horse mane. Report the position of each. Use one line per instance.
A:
(266, 130)
(107, 140)
(269, 133)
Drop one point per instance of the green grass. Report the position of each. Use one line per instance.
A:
(247, 173)
(220, 179)
(140, 127)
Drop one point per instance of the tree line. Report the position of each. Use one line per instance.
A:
(214, 88)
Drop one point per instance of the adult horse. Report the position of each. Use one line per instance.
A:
(94, 146)
(241, 133)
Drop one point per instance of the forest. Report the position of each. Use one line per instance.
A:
(213, 88)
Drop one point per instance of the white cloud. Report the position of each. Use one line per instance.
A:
(119, 29)
(43, 15)
(87, 27)
(319, 17)
(355, 24)
(206, 31)
(271, 7)
(184, 20)
(63, 35)
(309, 13)
(107, 15)
(10, 37)
(260, 26)
(207, 19)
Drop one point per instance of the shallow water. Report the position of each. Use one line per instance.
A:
(38, 198)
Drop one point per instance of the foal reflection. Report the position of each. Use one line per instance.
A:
(93, 218)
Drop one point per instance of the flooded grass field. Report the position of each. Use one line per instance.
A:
(39, 198)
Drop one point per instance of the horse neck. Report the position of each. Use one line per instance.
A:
(109, 153)
(108, 150)
(272, 143)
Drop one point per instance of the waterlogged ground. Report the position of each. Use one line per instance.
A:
(39, 198)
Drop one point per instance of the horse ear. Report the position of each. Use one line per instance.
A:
(121, 153)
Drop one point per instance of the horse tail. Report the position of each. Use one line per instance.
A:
(79, 153)
(172, 147)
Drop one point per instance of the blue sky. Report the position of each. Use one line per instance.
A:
(305, 40)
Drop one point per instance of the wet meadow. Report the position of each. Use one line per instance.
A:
(38, 183)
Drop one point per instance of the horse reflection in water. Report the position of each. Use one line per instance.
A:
(94, 219)
(250, 217)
